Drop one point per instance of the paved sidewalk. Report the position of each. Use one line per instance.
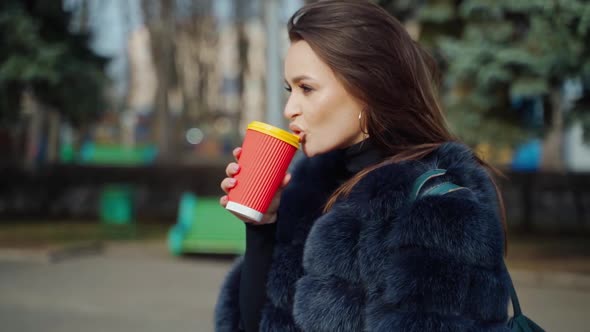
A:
(125, 288)
(131, 287)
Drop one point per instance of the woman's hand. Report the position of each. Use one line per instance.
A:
(229, 182)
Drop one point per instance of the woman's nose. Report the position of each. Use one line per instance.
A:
(291, 109)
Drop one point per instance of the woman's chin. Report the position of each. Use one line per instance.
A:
(309, 151)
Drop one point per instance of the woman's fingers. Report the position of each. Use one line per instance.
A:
(232, 169)
(230, 182)
(274, 204)
(286, 180)
(223, 200)
(236, 152)
(276, 200)
(267, 219)
(227, 184)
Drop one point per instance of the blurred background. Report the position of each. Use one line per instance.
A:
(117, 118)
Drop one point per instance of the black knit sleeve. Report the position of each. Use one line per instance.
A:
(260, 240)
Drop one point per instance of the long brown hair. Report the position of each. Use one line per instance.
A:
(378, 63)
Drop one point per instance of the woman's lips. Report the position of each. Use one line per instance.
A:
(297, 131)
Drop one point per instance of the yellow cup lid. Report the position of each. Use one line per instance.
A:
(275, 132)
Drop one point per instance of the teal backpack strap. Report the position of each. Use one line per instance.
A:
(439, 189)
(422, 179)
(513, 297)
(519, 322)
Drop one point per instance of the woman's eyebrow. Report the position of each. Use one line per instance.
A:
(298, 79)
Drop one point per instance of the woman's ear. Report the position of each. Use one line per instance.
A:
(363, 123)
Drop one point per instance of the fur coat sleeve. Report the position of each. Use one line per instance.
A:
(378, 262)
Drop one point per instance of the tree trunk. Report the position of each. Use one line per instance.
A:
(84, 16)
(162, 34)
(53, 136)
(244, 51)
(128, 124)
(552, 159)
(33, 134)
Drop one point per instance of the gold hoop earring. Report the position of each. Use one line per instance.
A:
(363, 130)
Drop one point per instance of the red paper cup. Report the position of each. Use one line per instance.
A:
(266, 154)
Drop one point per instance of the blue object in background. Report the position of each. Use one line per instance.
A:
(102, 154)
(527, 157)
(530, 110)
(116, 205)
(186, 212)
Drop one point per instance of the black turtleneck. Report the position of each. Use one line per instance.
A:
(260, 240)
(360, 156)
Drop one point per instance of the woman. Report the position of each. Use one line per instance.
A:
(347, 245)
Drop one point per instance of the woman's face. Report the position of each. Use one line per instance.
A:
(321, 112)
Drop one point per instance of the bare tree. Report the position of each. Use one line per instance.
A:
(162, 30)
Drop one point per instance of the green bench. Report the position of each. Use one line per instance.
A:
(203, 226)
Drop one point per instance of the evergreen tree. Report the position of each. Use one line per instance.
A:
(505, 63)
(39, 54)
(508, 53)
(401, 9)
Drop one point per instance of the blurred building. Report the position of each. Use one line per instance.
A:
(218, 78)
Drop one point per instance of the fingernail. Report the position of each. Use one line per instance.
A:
(236, 168)
(232, 181)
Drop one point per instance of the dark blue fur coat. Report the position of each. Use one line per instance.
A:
(379, 262)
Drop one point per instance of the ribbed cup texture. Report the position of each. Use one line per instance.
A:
(263, 163)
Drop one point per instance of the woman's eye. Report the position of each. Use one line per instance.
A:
(306, 89)
(288, 88)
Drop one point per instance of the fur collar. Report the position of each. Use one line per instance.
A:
(314, 180)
